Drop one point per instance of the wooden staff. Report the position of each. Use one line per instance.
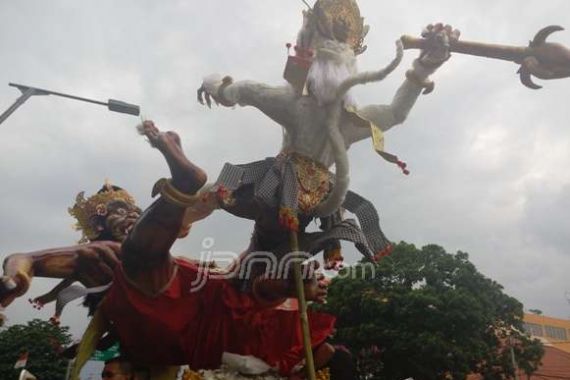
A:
(545, 60)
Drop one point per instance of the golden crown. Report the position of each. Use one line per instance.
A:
(85, 209)
(340, 20)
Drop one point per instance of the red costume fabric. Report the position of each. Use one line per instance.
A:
(184, 326)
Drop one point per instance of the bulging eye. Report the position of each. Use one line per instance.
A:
(121, 211)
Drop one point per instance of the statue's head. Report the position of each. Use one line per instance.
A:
(333, 20)
(331, 37)
(107, 215)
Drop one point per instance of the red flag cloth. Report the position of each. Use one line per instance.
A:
(22, 360)
(184, 326)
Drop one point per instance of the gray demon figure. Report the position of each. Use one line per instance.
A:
(321, 120)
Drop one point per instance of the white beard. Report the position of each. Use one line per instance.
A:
(333, 64)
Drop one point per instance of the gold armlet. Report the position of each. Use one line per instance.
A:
(220, 95)
(172, 195)
(25, 281)
(426, 84)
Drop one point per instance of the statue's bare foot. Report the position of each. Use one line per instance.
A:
(163, 141)
(185, 175)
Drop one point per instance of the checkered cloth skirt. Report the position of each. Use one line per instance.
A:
(271, 184)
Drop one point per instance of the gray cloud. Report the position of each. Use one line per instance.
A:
(488, 156)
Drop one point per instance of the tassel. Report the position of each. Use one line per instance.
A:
(402, 165)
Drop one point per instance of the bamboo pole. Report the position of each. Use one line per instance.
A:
(310, 364)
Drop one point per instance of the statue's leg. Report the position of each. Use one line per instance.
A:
(146, 251)
(369, 222)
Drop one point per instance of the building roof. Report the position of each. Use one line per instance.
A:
(555, 365)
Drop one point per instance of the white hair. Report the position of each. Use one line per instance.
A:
(334, 62)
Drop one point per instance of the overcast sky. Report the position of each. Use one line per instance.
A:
(488, 157)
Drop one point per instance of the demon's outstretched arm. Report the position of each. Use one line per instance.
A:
(385, 116)
(91, 264)
(277, 102)
(144, 253)
(417, 80)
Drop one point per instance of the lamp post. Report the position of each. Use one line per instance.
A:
(28, 91)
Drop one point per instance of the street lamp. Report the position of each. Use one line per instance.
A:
(28, 91)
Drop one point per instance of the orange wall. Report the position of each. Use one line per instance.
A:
(554, 322)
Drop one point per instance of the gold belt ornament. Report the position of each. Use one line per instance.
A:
(313, 179)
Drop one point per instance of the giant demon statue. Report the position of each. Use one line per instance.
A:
(321, 120)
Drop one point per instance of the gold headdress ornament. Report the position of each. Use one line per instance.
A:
(340, 20)
(96, 205)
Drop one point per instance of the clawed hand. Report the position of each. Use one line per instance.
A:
(10, 288)
(439, 37)
(205, 91)
(204, 94)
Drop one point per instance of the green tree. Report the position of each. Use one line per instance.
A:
(428, 314)
(43, 341)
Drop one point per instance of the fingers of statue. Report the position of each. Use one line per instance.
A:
(8, 288)
(205, 96)
(12, 287)
(37, 303)
(157, 139)
(200, 94)
(454, 35)
(440, 28)
(7, 283)
(149, 129)
(439, 38)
